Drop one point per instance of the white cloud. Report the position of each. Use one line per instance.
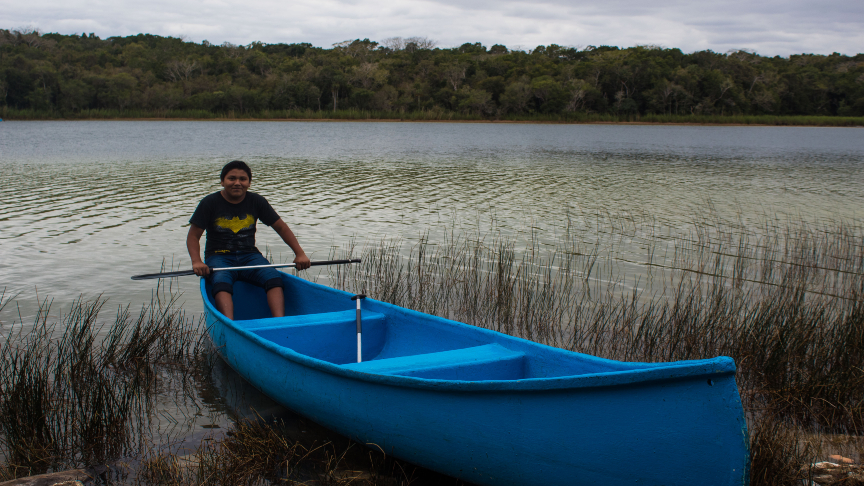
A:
(770, 27)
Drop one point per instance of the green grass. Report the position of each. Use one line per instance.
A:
(433, 115)
(351, 114)
(105, 114)
(779, 120)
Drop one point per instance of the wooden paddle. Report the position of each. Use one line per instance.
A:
(183, 273)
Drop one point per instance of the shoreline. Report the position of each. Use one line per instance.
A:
(408, 120)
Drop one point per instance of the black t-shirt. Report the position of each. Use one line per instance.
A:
(231, 227)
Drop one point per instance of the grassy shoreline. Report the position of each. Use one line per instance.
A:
(435, 116)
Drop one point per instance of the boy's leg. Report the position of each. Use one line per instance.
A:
(222, 284)
(225, 304)
(269, 278)
(276, 301)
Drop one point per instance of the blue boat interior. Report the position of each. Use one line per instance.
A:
(321, 324)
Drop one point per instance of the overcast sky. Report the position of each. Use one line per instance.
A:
(770, 27)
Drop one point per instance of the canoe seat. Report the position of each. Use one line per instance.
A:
(328, 336)
(303, 320)
(478, 363)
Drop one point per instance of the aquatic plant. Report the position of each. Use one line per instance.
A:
(75, 392)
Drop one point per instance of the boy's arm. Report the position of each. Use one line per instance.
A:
(193, 244)
(288, 237)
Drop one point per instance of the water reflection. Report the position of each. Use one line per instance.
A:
(207, 405)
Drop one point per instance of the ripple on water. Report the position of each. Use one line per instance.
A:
(87, 204)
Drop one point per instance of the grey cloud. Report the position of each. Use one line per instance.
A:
(770, 27)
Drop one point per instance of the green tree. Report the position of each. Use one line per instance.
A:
(70, 73)
(476, 101)
(516, 96)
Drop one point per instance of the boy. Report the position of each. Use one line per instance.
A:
(229, 218)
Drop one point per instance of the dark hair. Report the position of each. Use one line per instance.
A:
(235, 164)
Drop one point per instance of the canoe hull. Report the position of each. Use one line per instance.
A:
(669, 428)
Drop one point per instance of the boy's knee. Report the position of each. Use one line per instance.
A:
(273, 283)
(223, 287)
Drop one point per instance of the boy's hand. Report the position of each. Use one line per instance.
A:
(201, 269)
(302, 262)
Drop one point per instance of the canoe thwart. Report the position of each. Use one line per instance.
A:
(301, 320)
(487, 362)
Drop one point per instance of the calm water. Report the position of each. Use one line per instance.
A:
(87, 204)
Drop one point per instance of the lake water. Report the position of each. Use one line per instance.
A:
(87, 204)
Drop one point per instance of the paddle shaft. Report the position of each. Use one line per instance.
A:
(183, 273)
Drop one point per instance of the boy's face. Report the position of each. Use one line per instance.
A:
(236, 183)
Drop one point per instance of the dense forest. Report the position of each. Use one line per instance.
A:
(67, 74)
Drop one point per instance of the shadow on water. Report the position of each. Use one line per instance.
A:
(231, 399)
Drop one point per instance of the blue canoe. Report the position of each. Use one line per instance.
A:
(483, 406)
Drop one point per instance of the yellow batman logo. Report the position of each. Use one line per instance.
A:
(235, 224)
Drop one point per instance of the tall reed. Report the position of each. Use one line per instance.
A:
(75, 392)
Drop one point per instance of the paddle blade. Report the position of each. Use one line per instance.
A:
(148, 276)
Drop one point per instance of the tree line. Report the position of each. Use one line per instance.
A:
(65, 74)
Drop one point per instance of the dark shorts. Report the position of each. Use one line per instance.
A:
(224, 281)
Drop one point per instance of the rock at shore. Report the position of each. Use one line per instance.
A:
(72, 477)
(829, 474)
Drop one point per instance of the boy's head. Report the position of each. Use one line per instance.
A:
(235, 164)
